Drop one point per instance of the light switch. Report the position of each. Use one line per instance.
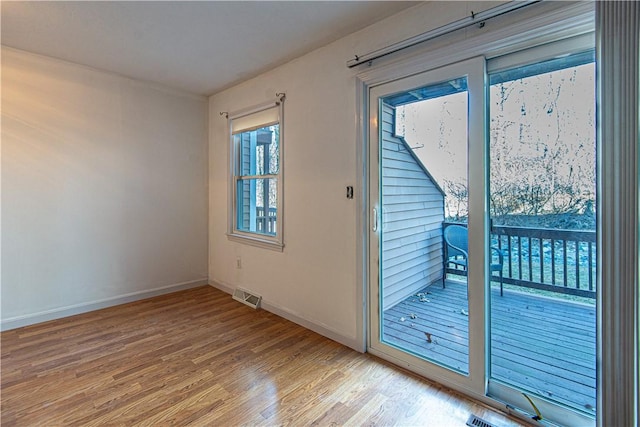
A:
(349, 192)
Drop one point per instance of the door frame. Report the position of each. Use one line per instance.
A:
(532, 26)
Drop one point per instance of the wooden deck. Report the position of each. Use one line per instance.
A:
(542, 345)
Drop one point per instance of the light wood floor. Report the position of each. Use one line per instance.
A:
(197, 357)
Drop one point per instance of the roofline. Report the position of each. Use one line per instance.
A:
(420, 164)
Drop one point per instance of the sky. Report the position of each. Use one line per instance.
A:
(543, 116)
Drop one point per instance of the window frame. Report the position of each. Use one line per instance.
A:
(234, 233)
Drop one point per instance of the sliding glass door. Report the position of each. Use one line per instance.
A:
(424, 130)
(543, 236)
(482, 241)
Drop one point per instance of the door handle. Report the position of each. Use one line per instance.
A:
(374, 220)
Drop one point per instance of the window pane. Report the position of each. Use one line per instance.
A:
(424, 202)
(251, 213)
(259, 151)
(543, 211)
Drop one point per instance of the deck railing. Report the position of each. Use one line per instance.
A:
(562, 261)
(266, 223)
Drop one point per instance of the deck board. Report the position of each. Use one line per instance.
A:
(546, 346)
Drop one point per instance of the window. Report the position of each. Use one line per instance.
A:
(255, 214)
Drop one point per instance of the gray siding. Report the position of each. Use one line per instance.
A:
(412, 216)
(246, 185)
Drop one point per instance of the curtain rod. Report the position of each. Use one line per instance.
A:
(280, 97)
(474, 18)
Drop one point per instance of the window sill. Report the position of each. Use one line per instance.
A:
(255, 240)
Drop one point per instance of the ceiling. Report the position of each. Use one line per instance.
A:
(199, 47)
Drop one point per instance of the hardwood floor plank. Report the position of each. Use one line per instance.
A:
(197, 357)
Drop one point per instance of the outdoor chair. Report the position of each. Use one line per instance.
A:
(456, 240)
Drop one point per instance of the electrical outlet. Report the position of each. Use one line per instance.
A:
(238, 262)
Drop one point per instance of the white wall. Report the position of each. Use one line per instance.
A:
(104, 189)
(315, 280)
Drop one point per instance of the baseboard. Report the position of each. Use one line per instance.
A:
(58, 313)
(285, 314)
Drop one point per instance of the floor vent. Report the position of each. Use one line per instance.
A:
(475, 421)
(247, 298)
